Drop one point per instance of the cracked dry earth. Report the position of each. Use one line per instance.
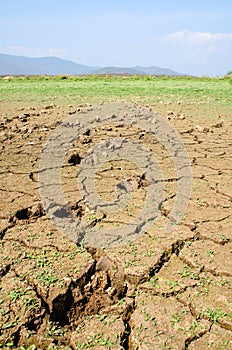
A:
(160, 291)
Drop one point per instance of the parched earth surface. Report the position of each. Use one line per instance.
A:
(158, 291)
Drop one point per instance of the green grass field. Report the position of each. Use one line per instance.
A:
(93, 89)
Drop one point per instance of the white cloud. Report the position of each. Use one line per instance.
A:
(199, 52)
(197, 37)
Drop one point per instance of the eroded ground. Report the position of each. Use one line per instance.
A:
(157, 292)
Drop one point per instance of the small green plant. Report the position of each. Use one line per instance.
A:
(187, 272)
(31, 303)
(193, 325)
(121, 302)
(91, 218)
(94, 340)
(42, 261)
(51, 233)
(10, 324)
(100, 317)
(134, 250)
(210, 253)
(16, 294)
(154, 281)
(172, 284)
(213, 315)
(149, 317)
(31, 347)
(175, 318)
(150, 253)
(55, 330)
(129, 263)
(46, 278)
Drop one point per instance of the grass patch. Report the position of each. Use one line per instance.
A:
(146, 90)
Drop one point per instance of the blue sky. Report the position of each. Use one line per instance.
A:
(193, 37)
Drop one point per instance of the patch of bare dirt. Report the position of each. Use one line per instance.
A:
(161, 291)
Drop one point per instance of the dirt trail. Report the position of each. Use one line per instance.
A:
(158, 292)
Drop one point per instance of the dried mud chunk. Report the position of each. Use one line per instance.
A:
(147, 254)
(97, 300)
(98, 332)
(209, 256)
(174, 277)
(10, 251)
(218, 124)
(52, 273)
(115, 273)
(219, 232)
(20, 306)
(211, 299)
(37, 210)
(207, 204)
(160, 323)
(225, 184)
(50, 337)
(104, 264)
(85, 140)
(38, 233)
(110, 271)
(217, 339)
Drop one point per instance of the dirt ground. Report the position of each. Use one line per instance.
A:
(157, 292)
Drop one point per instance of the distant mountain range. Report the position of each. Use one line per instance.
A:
(19, 65)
